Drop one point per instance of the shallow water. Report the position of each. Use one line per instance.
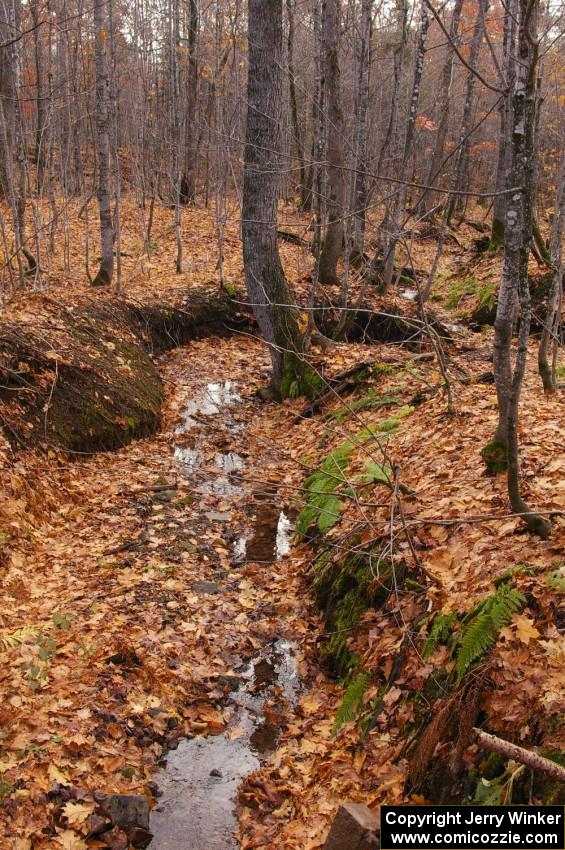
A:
(199, 784)
(198, 787)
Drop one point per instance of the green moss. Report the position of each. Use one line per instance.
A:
(495, 456)
(229, 288)
(370, 401)
(344, 591)
(497, 236)
(552, 792)
(299, 379)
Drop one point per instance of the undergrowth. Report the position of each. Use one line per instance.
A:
(477, 632)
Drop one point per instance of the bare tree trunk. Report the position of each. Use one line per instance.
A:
(305, 193)
(268, 292)
(191, 164)
(397, 64)
(360, 194)
(8, 98)
(106, 270)
(550, 333)
(429, 200)
(41, 124)
(461, 157)
(514, 286)
(505, 117)
(115, 150)
(400, 196)
(176, 129)
(332, 247)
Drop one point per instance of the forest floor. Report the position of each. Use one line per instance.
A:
(130, 611)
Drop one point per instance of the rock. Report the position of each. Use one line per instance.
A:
(216, 773)
(139, 837)
(218, 516)
(209, 587)
(125, 810)
(355, 827)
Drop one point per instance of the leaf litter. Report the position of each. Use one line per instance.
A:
(113, 650)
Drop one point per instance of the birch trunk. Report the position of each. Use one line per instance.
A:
(505, 117)
(514, 286)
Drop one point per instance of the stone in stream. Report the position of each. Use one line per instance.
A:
(124, 810)
(355, 827)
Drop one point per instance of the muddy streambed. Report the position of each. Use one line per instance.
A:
(198, 785)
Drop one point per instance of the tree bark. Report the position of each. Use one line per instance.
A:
(332, 247)
(429, 200)
(461, 157)
(360, 194)
(270, 297)
(106, 270)
(400, 195)
(514, 286)
(505, 117)
(188, 192)
(512, 751)
(304, 188)
(553, 317)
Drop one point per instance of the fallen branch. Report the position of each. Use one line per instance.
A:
(513, 751)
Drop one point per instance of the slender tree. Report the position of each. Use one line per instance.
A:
(106, 270)
(514, 294)
(332, 247)
(550, 333)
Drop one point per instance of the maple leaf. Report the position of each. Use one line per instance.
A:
(69, 840)
(77, 813)
(525, 629)
(55, 775)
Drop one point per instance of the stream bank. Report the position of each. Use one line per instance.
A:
(145, 623)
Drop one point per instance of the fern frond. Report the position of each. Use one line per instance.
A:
(351, 701)
(18, 637)
(441, 630)
(482, 631)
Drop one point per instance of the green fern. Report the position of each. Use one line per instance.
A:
(18, 637)
(323, 505)
(484, 624)
(440, 632)
(352, 700)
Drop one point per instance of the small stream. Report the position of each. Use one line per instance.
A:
(198, 787)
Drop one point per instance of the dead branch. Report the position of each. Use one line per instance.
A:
(513, 751)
